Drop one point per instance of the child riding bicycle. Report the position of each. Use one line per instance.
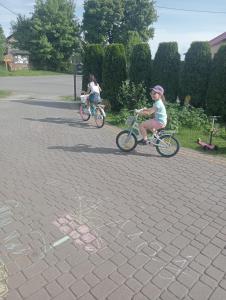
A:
(158, 109)
(94, 92)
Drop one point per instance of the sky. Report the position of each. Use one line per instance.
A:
(172, 25)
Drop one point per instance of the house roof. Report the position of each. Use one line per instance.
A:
(217, 40)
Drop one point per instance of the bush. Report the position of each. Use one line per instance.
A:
(92, 63)
(195, 75)
(166, 68)
(186, 116)
(114, 73)
(132, 95)
(140, 65)
(216, 95)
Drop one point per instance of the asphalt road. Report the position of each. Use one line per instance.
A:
(41, 87)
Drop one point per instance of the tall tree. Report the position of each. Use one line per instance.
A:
(216, 95)
(92, 63)
(166, 68)
(52, 34)
(110, 21)
(114, 73)
(101, 20)
(140, 65)
(196, 72)
(138, 15)
(2, 43)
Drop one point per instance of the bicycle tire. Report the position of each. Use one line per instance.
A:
(101, 119)
(84, 116)
(129, 135)
(160, 149)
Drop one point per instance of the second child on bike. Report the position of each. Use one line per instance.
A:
(94, 91)
(158, 109)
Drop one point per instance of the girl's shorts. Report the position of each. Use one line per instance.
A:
(94, 98)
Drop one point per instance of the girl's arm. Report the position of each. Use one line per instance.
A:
(147, 111)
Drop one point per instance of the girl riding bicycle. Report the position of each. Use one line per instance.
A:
(158, 108)
(94, 91)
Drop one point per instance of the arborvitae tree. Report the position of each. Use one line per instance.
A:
(2, 43)
(114, 73)
(166, 68)
(216, 94)
(140, 65)
(92, 63)
(196, 72)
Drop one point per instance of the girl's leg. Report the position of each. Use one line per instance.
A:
(151, 125)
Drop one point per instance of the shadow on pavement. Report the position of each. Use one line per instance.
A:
(46, 103)
(68, 121)
(100, 150)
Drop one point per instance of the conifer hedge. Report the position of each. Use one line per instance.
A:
(166, 69)
(216, 95)
(114, 73)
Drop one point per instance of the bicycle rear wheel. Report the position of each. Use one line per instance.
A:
(84, 113)
(126, 141)
(167, 145)
(99, 118)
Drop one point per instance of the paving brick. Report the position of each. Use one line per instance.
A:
(126, 270)
(117, 278)
(209, 281)
(123, 292)
(13, 295)
(66, 295)
(91, 279)
(167, 295)
(139, 296)
(66, 280)
(150, 290)
(54, 289)
(103, 289)
(218, 294)
(32, 286)
(105, 269)
(51, 274)
(79, 288)
(211, 251)
(220, 262)
(16, 280)
(143, 276)
(134, 285)
(87, 297)
(180, 242)
(215, 273)
(41, 294)
(82, 269)
(200, 291)
(178, 290)
(118, 259)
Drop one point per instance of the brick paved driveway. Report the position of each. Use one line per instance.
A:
(81, 220)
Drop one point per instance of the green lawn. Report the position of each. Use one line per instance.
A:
(4, 93)
(188, 137)
(3, 72)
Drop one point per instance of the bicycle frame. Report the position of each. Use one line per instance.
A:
(134, 128)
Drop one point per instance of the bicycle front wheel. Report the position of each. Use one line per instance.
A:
(167, 145)
(99, 118)
(84, 113)
(126, 141)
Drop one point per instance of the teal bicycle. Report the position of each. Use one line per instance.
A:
(163, 140)
(96, 110)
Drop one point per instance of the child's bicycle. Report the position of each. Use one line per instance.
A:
(97, 111)
(164, 141)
